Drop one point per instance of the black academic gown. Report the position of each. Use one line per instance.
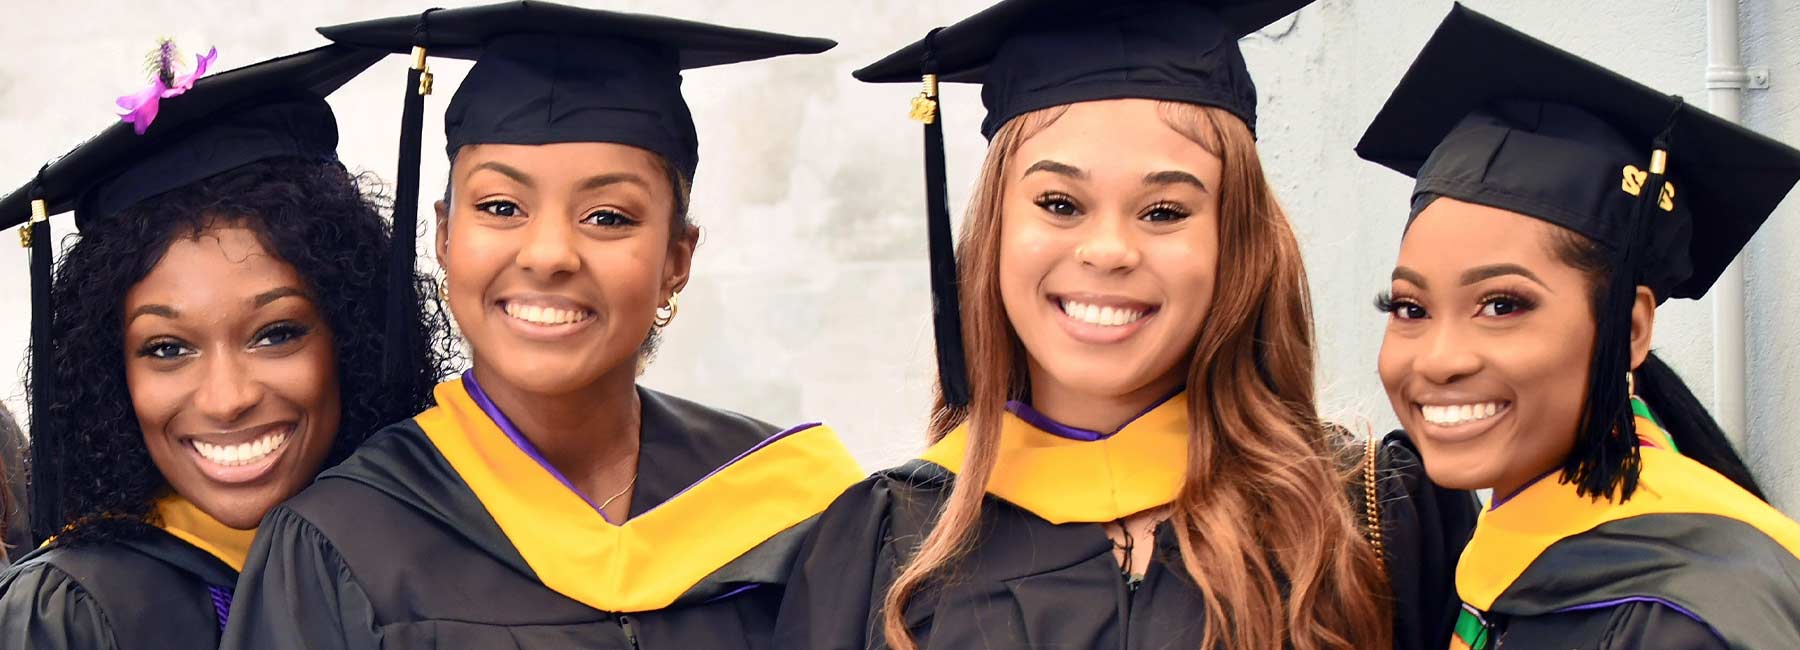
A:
(393, 549)
(1029, 583)
(1690, 562)
(150, 593)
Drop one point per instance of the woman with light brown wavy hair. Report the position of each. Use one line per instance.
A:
(1132, 458)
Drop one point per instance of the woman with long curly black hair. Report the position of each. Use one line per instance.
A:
(216, 340)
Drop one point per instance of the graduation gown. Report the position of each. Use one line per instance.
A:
(448, 531)
(169, 588)
(1691, 562)
(1042, 573)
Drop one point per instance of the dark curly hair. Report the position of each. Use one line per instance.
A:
(311, 214)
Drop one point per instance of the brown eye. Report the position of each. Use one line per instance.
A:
(280, 333)
(1399, 308)
(499, 208)
(608, 218)
(1163, 212)
(164, 349)
(1058, 204)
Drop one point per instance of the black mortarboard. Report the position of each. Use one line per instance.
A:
(1033, 54)
(1673, 193)
(547, 73)
(271, 109)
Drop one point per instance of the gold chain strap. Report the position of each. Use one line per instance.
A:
(1371, 501)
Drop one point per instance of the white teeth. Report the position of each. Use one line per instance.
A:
(540, 315)
(1102, 316)
(242, 453)
(1459, 413)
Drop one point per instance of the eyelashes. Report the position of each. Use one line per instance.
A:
(1499, 304)
(1384, 302)
(1063, 205)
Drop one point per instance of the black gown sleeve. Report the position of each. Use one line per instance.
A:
(1652, 626)
(296, 592)
(1424, 529)
(834, 595)
(1630, 626)
(43, 608)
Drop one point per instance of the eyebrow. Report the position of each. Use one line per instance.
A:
(1054, 167)
(273, 295)
(1173, 178)
(507, 170)
(164, 311)
(1409, 275)
(1480, 273)
(604, 180)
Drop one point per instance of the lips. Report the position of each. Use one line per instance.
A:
(1455, 421)
(1103, 316)
(1101, 319)
(544, 317)
(242, 456)
(545, 314)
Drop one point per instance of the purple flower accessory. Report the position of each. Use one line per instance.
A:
(139, 108)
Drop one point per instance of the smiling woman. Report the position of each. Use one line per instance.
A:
(586, 510)
(1137, 461)
(1549, 219)
(212, 352)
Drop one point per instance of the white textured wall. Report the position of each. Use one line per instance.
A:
(809, 300)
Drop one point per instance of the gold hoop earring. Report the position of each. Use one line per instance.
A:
(666, 313)
(1631, 384)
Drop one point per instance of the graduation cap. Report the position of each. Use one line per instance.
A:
(1034, 54)
(547, 73)
(1673, 193)
(271, 109)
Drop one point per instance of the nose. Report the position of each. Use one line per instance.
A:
(549, 247)
(227, 392)
(1446, 355)
(1108, 246)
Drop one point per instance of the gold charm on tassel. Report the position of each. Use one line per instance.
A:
(1634, 179)
(924, 105)
(418, 53)
(40, 211)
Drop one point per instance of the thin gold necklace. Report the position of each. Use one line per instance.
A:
(627, 488)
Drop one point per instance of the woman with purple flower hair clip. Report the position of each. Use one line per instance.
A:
(212, 340)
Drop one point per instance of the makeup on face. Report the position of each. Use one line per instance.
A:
(1109, 248)
(1485, 360)
(557, 257)
(232, 374)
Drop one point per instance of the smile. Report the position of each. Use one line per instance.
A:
(243, 453)
(243, 456)
(545, 315)
(1103, 316)
(1458, 414)
(1096, 319)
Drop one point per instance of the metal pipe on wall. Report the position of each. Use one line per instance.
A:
(1726, 79)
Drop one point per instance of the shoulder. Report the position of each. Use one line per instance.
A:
(41, 575)
(694, 416)
(899, 501)
(1630, 625)
(50, 596)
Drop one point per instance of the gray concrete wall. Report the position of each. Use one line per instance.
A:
(809, 300)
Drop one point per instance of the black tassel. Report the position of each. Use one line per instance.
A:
(46, 445)
(946, 306)
(1606, 454)
(397, 359)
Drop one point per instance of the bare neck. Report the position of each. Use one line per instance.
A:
(1095, 412)
(590, 435)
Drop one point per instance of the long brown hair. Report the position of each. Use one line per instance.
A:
(1263, 521)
